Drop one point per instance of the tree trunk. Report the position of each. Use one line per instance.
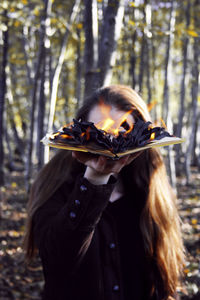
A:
(11, 110)
(110, 32)
(148, 72)
(78, 72)
(182, 91)
(91, 43)
(198, 142)
(2, 94)
(194, 92)
(167, 57)
(132, 70)
(40, 118)
(34, 94)
(59, 65)
(26, 50)
(57, 73)
(141, 67)
(194, 160)
(166, 108)
(148, 16)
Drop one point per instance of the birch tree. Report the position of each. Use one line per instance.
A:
(3, 92)
(57, 72)
(91, 43)
(166, 108)
(194, 93)
(34, 93)
(185, 44)
(110, 32)
(43, 71)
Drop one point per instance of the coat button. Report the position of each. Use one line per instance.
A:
(72, 215)
(112, 245)
(116, 288)
(77, 202)
(83, 188)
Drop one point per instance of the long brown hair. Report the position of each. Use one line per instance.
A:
(160, 224)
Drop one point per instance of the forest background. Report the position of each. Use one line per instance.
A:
(53, 54)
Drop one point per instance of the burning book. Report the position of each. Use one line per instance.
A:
(126, 139)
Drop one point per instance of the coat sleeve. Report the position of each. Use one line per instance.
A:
(64, 225)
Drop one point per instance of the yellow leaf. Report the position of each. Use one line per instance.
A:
(17, 23)
(36, 11)
(54, 21)
(160, 32)
(79, 25)
(13, 233)
(198, 99)
(132, 4)
(13, 185)
(12, 9)
(192, 33)
(25, 2)
(194, 221)
(132, 23)
(99, 1)
(18, 120)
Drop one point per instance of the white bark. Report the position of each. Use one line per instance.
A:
(57, 74)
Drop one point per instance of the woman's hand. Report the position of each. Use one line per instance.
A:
(99, 168)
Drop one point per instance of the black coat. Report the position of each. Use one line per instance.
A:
(92, 249)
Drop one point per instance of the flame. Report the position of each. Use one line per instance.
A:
(108, 124)
(129, 130)
(65, 136)
(152, 137)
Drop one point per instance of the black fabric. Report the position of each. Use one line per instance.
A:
(133, 263)
(90, 248)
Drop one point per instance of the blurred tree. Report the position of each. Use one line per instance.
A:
(44, 71)
(57, 71)
(194, 93)
(99, 73)
(3, 91)
(166, 108)
(38, 71)
(91, 43)
(185, 44)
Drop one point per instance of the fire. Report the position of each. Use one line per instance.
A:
(111, 125)
(152, 137)
(65, 136)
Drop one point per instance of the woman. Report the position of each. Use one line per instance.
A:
(106, 229)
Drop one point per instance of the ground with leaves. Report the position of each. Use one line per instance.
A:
(18, 281)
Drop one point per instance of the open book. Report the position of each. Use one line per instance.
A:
(86, 137)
